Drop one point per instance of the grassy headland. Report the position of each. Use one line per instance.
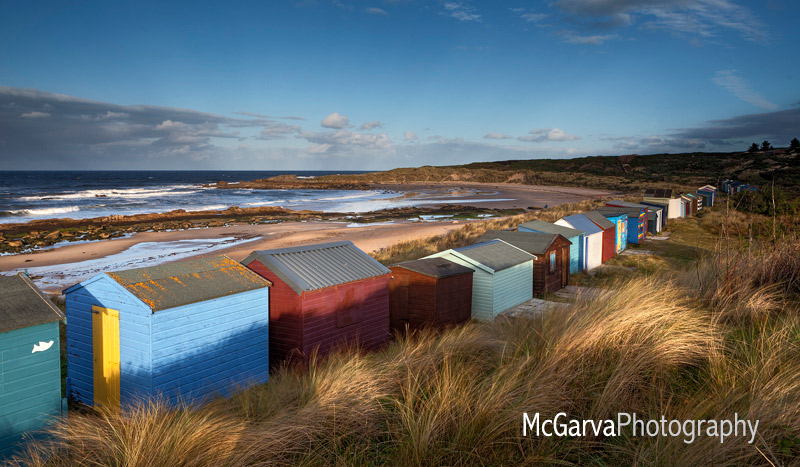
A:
(630, 173)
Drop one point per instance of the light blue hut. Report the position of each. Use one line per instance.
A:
(180, 331)
(502, 277)
(577, 254)
(30, 362)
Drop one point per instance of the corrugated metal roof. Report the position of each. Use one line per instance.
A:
(599, 219)
(630, 212)
(536, 243)
(312, 267)
(581, 222)
(185, 282)
(495, 254)
(437, 268)
(22, 304)
(547, 227)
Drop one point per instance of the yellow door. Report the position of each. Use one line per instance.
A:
(105, 341)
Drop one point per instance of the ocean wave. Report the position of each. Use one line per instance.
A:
(39, 212)
(125, 193)
(213, 207)
(348, 196)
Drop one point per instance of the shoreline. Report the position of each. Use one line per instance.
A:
(236, 232)
(248, 237)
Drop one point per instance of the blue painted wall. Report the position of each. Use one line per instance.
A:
(134, 338)
(620, 232)
(30, 384)
(577, 256)
(187, 353)
(211, 347)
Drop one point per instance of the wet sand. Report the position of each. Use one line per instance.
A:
(369, 237)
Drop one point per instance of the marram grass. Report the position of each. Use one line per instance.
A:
(695, 344)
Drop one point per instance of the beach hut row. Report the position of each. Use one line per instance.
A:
(731, 187)
(193, 329)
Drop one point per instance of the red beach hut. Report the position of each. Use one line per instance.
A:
(323, 296)
(609, 233)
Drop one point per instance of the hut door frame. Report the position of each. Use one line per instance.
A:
(105, 352)
(564, 266)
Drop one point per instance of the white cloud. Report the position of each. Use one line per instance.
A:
(547, 134)
(702, 18)
(493, 135)
(335, 120)
(410, 136)
(366, 126)
(376, 11)
(534, 17)
(461, 11)
(572, 37)
(35, 115)
(730, 80)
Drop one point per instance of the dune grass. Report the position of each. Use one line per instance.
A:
(688, 340)
(690, 344)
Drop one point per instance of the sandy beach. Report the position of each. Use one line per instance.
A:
(70, 263)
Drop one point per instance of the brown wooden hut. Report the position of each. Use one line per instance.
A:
(551, 266)
(430, 291)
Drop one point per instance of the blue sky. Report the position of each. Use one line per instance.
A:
(385, 83)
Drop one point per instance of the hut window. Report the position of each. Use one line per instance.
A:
(552, 262)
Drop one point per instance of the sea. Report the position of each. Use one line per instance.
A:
(29, 195)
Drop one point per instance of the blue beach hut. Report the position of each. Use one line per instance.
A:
(180, 331)
(576, 237)
(30, 362)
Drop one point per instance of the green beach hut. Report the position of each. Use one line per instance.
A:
(30, 362)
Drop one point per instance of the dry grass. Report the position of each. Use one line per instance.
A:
(688, 344)
(468, 234)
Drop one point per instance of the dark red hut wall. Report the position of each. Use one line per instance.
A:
(416, 294)
(608, 244)
(431, 301)
(285, 320)
(544, 278)
(363, 304)
(453, 299)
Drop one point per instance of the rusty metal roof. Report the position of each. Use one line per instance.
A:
(185, 282)
(536, 243)
(438, 268)
(312, 267)
(22, 304)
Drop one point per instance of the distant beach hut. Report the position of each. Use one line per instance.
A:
(429, 292)
(30, 362)
(655, 214)
(501, 279)
(620, 221)
(592, 239)
(711, 190)
(667, 198)
(637, 221)
(551, 266)
(693, 208)
(180, 331)
(609, 229)
(575, 237)
(706, 197)
(323, 296)
(698, 201)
